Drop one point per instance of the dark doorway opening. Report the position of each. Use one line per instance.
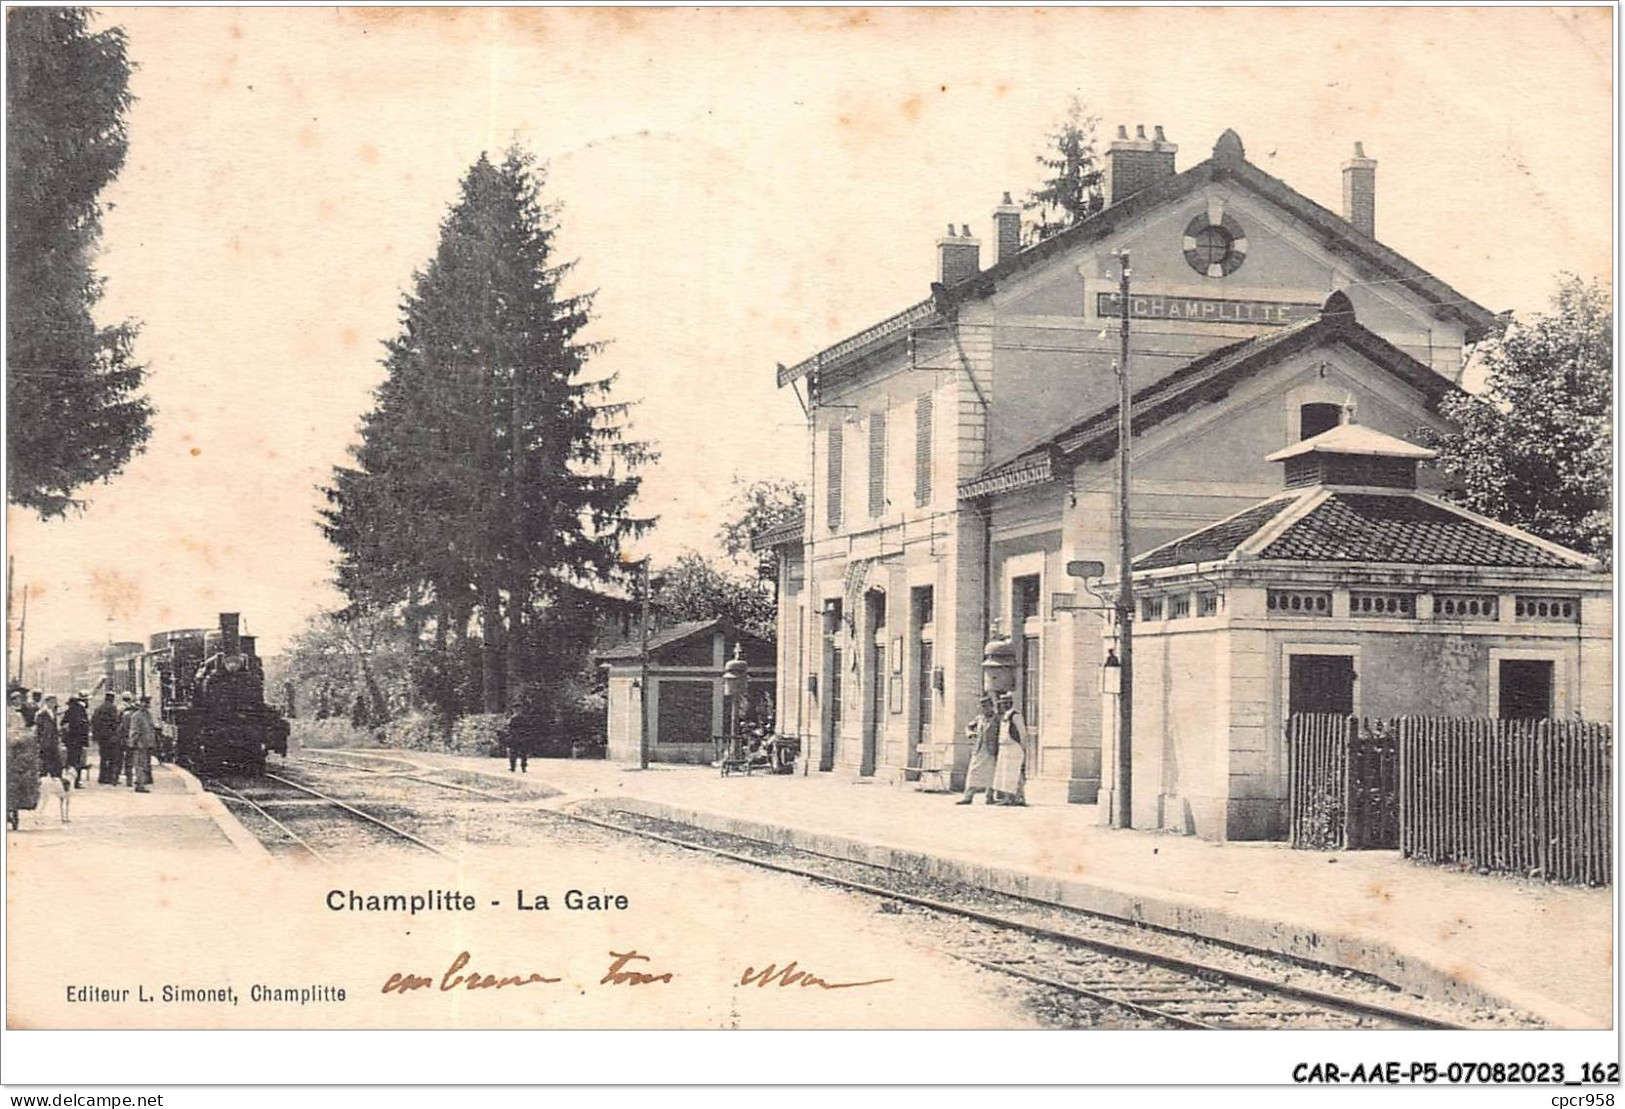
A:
(1526, 689)
(1321, 683)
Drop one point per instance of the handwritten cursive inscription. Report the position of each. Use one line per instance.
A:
(788, 975)
(400, 983)
(618, 975)
(621, 972)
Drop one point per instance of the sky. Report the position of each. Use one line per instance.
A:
(741, 187)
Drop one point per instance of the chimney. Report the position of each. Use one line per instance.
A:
(1360, 191)
(229, 624)
(959, 257)
(1137, 163)
(1007, 228)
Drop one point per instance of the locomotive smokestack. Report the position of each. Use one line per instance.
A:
(230, 642)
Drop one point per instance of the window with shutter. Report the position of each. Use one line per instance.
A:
(923, 412)
(877, 464)
(833, 490)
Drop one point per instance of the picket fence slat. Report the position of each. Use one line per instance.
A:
(1518, 796)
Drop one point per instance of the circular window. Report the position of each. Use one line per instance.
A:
(1215, 249)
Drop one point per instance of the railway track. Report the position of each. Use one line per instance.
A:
(997, 933)
(372, 820)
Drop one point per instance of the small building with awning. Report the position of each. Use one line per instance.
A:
(686, 703)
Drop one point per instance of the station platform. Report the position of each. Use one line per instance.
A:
(174, 814)
(1494, 942)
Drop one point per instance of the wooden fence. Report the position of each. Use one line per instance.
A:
(1530, 797)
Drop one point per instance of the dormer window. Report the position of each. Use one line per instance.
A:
(1316, 418)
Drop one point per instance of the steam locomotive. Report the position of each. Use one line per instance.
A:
(208, 691)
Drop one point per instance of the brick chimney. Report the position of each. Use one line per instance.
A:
(958, 256)
(1360, 191)
(1137, 163)
(1007, 228)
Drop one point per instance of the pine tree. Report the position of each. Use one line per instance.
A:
(1075, 187)
(1536, 448)
(71, 385)
(486, 479)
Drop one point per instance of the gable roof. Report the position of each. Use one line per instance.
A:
(1214, 374)
(1401, 527)
(1228, 162)
(676, 634)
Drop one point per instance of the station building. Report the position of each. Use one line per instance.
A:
(961, 452)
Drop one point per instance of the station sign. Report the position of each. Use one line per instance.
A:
(1158, 306)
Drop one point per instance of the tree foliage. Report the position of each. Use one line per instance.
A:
(1074, 188)
(71, 385)
(1535, 449)
(755, 508)
(351, 664)
(692, 588)
(492, 475)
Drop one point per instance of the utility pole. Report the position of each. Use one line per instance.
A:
(11, 570)
(1124, 816)
(22, 640)
(643, 667)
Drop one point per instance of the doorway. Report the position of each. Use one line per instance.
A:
(922, 708)
(1525, 689)
(1321, 683)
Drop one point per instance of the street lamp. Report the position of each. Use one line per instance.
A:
(735, 684)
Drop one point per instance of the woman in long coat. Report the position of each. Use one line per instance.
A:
(984, 753)
(22, 767)
(1010, 774)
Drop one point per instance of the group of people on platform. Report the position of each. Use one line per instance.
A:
(48, 740)
(998, 753)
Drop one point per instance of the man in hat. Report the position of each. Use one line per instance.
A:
(142, 739)
(76, 734)
(983, 733)
(48, 734)
(104, 734)
(126, 752)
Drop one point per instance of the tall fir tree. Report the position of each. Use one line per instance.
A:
(492, 475)
(1536, 448)
(71, 385)
(1074, 189)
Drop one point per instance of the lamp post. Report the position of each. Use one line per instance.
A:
(1123, 814)
(735, 684)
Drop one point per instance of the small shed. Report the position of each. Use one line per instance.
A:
(1352, 593)
(686, 703)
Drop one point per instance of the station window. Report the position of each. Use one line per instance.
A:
(1313, 419)
(1024, 600)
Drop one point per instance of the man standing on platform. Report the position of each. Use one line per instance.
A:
(143, 738)
(126, 752)
(76, 734)
(104, 733)
(50, 739)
